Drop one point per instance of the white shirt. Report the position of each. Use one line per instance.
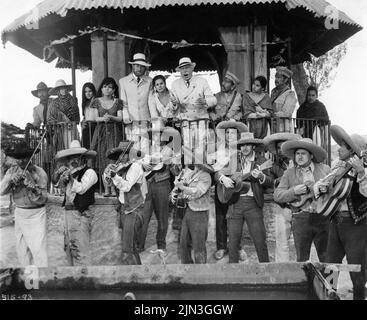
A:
(134, 175)
(88, 180)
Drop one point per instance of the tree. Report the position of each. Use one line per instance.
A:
(319, 72)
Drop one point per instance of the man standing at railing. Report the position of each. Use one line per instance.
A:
(229, 100)
(284, 100)
(40, 111)
(134, 93)
(194, 97)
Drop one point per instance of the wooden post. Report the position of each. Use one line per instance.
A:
(289, 49)
(73, 77)
(105, 54)
(261, 52)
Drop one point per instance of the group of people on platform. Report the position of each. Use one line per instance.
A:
(302, 185)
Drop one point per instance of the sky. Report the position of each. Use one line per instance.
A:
(21, 72)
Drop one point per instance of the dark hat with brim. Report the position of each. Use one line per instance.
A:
(241, 127)
(126, 147)
(74, 150)
(271, 141)
(290, 147)
(19, 150)
(356, 142)
(40, 86)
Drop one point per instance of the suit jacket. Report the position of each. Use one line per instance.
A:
(38, 114)
(135, 97)
(256, 186)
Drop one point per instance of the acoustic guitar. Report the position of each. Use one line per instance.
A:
(231, 195)
(308, 197)
(339, 187)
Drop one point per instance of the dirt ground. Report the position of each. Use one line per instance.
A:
(107, 251)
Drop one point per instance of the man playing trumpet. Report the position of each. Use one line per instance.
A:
(79, 181)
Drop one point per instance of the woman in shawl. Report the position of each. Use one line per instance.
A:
(257, 108)
(108, 132)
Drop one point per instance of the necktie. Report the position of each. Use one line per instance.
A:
(188, 83)
(138, 80)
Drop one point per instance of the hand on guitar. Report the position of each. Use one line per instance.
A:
(227, 182)
(357, 165)
(301, 190)
(257, 174)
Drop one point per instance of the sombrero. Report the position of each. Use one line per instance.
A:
(19, 150)
(75, 149)
(230, 76)
(248, 138)
(60, 84)
(185, 62)
(40, 86)
(355, 141)
(271, 141)
(241, 127)
(139, 58)
(284, 71)
(126, 147)
(290, 147)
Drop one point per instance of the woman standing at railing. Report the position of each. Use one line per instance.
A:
(160, 104)
(108, 132)
(90, 114)
(257, 108)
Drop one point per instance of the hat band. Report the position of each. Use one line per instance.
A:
(139, 60)
(184, 64)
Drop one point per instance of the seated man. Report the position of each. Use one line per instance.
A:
(296, 189)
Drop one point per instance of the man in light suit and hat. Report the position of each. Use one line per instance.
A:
(229, 100)
(40, 111)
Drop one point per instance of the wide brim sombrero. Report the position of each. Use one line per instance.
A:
(60, 84)
(241, 127)
(19, 150)
(356, 142)
(114, 153)
(35, 92)
(271, 141)
(248, 138)
(290, 147)
(75, 149)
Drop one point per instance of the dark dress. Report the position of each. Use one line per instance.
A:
(106, 135)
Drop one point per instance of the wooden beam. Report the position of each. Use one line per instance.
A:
(73, 67)
(105, 54)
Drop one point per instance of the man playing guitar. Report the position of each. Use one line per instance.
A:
(348, 226)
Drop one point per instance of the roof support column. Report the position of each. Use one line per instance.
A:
(73, 67)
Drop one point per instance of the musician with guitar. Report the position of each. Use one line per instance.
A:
(129, 179)
(231, 132)
(296, 189)
(163, 163)
(27, 184)
(348, 211)
(79, 182)
(283, 216)
(248, 202)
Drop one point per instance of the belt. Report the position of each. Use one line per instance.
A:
(35, 207)
(70, 207)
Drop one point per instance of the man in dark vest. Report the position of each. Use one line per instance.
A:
(348, 226)
(131, 183)
(79, 181)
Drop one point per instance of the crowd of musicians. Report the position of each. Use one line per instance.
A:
(321, 205)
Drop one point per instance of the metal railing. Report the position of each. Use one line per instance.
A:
(198, 137)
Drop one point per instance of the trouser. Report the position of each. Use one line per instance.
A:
(220, 223)
(77, 234)
(131, 225)
(157, 200)
(31, 236)
(346, 238)
(246, 210)
(194, 233)
(283, 220)
(307, 228)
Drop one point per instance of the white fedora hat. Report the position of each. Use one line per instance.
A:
(139, 58)
(185, 62)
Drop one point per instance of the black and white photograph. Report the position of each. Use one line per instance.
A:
(203, 152)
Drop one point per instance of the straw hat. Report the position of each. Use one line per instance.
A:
(271, 141)
(139, 58)
(284, 71)
(19, 150)
(60, 84)
(75, 149)
(290, 147)
(241, 127)
(185, 62)
(230, 76)
(354, 141)
(40, 86)
(248, 138)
